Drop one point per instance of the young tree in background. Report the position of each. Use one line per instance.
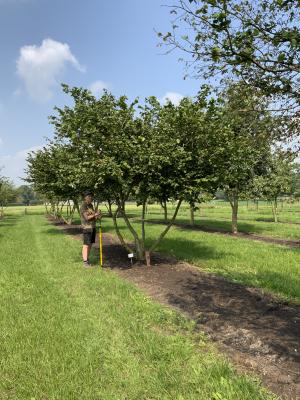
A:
(7, 194)
(278, 180)
(26, 194)
(242, 142)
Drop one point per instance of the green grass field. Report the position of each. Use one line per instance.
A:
(272, 267)
(218, 215)
(68, 333)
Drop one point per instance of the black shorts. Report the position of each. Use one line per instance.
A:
(89, 237)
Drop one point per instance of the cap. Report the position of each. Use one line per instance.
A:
(88, 193)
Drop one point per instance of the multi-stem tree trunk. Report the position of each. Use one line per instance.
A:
(165, 209)
(76, 205)
(109, 208)
(46, 207)
(140, 249)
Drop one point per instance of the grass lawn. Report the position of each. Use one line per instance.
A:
(271, 267)
(219, 216)
(68, 333)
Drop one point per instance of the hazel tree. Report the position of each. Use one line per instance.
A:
(124, 151)
(254, 41)
(242, 143)
(7, 193)
(278, 180)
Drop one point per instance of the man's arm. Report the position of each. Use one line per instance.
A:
(90, 217)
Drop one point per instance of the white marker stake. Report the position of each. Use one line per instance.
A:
(131, 255)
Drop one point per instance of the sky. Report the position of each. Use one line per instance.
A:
(94, 44)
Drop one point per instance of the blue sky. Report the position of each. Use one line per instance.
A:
(91, 43)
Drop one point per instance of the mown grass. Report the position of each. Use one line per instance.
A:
(218, 216)
(68, 333)
(273, 268)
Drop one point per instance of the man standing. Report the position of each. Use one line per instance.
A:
(88, 221)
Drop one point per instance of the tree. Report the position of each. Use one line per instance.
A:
(26, 193)
(256, 41)
(59, 174)
(7, 193)
(279, 179)
(122, 152)
(242, 143)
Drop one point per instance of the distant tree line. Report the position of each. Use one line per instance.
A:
(18, 195)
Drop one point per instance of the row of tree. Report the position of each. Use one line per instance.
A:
(9, 193)
(145, 150)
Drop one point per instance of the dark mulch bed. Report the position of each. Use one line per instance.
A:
(258, 332)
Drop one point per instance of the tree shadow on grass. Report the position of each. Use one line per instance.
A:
(190, 250)
(8, 221)
(72, 231)
(211, 225)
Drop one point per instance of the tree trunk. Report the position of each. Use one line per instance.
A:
(192, 214)
(274, 210)
(76, 205)
(163, 234)
(165, 209)
(118, 232)
(234, 202)
(140, 251)
(109, 208)
(143, 223)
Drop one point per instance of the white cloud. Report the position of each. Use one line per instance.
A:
(14, 165)
(97, 87)
(1, 142)
(173, 97)
(40, 67)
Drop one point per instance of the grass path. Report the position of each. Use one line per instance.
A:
(68, 333)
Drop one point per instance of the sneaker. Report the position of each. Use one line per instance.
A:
(86, 264)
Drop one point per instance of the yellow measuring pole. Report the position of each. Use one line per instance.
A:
(100, 245)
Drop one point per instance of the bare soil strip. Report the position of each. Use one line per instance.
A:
(259, 333)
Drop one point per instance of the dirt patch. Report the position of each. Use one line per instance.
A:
(258, 332)
(244, 235)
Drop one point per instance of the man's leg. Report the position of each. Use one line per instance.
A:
(85, 252)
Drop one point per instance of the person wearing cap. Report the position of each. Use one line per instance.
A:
(88, 221)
